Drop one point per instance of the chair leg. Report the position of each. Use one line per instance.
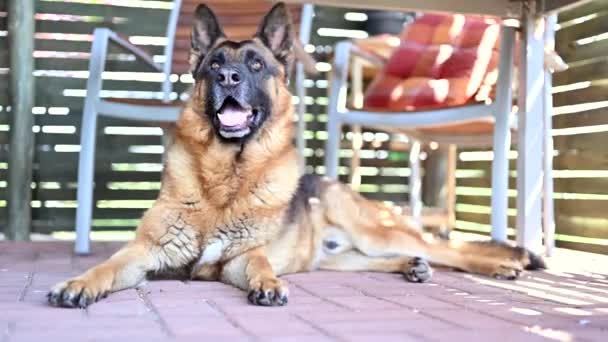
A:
(86, 168)
(530, 131)
(451, 187)
(415, 184)
(88, 130)
(355, 161)
(301, 109)
(502, 136)
(332, 149)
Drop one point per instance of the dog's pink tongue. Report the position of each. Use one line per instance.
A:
(233, 117)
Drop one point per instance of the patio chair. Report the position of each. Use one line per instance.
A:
(430, 89)
(165, 109)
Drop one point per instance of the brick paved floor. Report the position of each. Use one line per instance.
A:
(567, 303)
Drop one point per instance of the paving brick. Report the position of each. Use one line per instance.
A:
(468, 319)
(385, 326)
(274, 324)
(502, 335)
(298, 338)
(384, 337)
(362, 302)
(323, 306)
(362, 316)
(421, 302)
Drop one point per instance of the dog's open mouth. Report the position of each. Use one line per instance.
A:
(235, 119)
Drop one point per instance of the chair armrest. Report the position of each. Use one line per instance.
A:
(376, 49)
(367, 56)
(124, 43)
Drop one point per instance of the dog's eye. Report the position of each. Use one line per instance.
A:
(215, 65)
(256, 65)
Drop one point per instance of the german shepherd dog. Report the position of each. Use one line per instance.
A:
(232, 207)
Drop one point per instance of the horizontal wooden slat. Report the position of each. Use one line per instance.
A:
(596, 185)
(99, 9)
(580, 119)
(593, 69)
(593, 93)
(589, 28)
(583, 10)
(480, 218)
(100, 194)
(581, 208)
(582, 160)
(127, 27)
(580, 226)
(480, 200)
(85, 46)
(82, 64)
(590, 141)
(583, 247)
(572, 52)
(65, 175)
(116, 142)
(482, 182)
(60, 214)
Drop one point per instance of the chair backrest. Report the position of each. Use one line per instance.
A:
(442, 60)
(239, 18)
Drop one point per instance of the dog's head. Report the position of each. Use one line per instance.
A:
(237, 83)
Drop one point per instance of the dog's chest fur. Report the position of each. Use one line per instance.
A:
(230, 205)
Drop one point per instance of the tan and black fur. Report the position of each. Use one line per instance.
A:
(232, 207)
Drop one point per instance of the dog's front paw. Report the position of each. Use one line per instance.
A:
(418, 270)
(76, 293)
(268, 292)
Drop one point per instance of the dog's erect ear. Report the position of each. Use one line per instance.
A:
(206, 30)
(276, 33)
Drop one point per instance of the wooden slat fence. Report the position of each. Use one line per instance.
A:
(128, 160)
(580, 122)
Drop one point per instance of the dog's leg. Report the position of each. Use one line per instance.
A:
(125, 269)
(163, 240)
(252, 272)
(378, 232)
(414, 269)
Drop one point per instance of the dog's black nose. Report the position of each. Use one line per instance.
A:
(228, 77)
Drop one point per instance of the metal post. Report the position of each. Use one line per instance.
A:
(335, 108)
(167, 86)
(415, 184)
(439, 183)
(502, 136)
(530, 132)
(21, 43)
(305, 29)
(357, 135)
(86, 161)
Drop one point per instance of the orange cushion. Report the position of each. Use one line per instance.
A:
(442, 61)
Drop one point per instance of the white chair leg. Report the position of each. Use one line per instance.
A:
(451, 187)
(502, 137)
(88, 129)
(301, 109)
(415, 184)
(305, 29)
(355, 161)
(530, 131)
(336, 106)
(332, 148)
(356, 100)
